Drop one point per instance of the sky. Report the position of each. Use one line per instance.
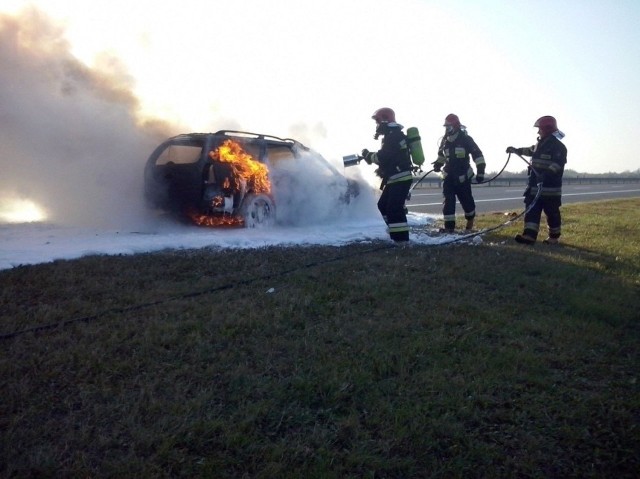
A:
(319, 69)
(88, 89)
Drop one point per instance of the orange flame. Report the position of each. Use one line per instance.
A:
(246, 174)
(218, 221)
(244, 167)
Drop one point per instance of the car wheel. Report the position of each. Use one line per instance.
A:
(258, 211)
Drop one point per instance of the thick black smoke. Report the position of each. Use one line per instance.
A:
(70, 139)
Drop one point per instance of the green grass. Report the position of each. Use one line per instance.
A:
(491, 360)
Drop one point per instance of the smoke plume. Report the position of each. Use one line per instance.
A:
(70, 140)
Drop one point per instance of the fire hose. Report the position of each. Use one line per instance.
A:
(417, 183)
(509, 221)
(498, 174)
(477, 183)
(497, 227)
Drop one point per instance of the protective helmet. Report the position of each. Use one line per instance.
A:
(384, 115)
(452, 120)
(546, 124)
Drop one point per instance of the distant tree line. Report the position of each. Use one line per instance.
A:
(568, 173)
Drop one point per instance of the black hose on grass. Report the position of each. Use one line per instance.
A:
(137, 307)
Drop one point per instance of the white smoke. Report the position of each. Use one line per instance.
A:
(310, 190)
(70, 141)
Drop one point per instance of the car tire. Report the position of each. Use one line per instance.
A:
(258, 211)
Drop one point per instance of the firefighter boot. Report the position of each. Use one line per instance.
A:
(449, 227)
(469, 225)
(551, 240)
(524, 238)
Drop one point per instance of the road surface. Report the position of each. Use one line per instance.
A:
(509, 198)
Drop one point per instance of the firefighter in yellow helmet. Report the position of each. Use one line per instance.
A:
(453, 160)
(394, 167)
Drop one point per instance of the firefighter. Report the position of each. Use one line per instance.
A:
(548, 158)
(394, 167)
(453, 161)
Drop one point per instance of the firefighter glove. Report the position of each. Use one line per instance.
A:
(368, 156)
(511, 149)
(437, 166)
(480, 177)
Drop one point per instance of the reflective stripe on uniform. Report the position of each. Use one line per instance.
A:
(532, 226)
(402, 176)
(555, 167)
(546, 165)
(398, 227)
(470, 173)
(547, 191)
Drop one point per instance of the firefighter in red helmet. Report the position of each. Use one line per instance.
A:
(394, 167)
(548, 158)
(453, 160)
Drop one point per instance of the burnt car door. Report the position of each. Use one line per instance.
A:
(173, 174)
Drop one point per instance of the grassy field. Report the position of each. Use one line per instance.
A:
(494, 360)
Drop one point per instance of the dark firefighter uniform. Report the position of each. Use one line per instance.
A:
(548, 158)
(394, 167)
(453, 160)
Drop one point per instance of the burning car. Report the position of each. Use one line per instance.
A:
(230, 178)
